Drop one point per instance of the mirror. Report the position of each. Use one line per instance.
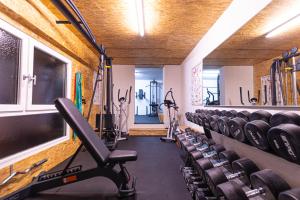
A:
(274, 82)
(259, 64)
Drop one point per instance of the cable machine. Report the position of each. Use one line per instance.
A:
(283, 79)
(104, 72)
(154, 98)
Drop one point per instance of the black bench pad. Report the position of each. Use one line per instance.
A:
(122, 156)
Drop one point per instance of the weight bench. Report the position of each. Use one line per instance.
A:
(105, 159)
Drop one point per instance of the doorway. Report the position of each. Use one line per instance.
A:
(148, 95)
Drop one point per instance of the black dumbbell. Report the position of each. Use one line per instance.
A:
(256, 130)
(284, 139)
(241, 170)
(214, 123)
(192, 141)
(244, 115)
(292, 194)
(218, 112)
(231, 113)
(206, 121)
(266, 185)
(223, 112)
(224, 159)
(285, 118)
(236, 128)
(260, 115)
(208, 151)
(194, 181)
(223, 125)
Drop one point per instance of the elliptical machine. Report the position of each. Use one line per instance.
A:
(123, 113)
(173, 121)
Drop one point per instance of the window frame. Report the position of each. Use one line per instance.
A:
(22, 68)
(23, 107)
(36, 44)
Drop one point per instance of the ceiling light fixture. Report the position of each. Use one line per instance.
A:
(285, 26)
(139, 4)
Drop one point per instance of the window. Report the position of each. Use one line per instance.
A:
(32, 76)
(210, 83)
(9, 67)
(48, 77)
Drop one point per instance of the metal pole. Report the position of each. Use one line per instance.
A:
(294, 82)
(102, 99)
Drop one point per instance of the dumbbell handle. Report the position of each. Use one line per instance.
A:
(219, 164)
(235, 175)
(255, 192)
(197, 143)
(202, 148)
(209, 154)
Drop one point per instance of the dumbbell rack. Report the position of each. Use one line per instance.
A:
(264, 160)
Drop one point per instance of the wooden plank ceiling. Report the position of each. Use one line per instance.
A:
(249, 45)
(177, 26)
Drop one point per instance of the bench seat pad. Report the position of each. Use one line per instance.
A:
(122, 156)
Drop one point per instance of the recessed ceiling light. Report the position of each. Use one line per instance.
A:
(140, 16)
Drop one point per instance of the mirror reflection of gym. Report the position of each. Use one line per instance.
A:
(260, 66)
(148, 95)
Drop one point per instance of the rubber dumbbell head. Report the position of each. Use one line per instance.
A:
(256, 132)
(243, 168)
(236, 129)
(260, 115)
(244, 115)
(293, 194)
(231, 113)
(285, 141)
(214, 123)
(223, 126)
(265, 183)
(285, 118)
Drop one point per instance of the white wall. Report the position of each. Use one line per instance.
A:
(173, 79)
(231, 79)
(235, 16)
(123, 78)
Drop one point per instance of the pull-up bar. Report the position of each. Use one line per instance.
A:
(80, 23)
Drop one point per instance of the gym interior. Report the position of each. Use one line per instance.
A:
(150, 99)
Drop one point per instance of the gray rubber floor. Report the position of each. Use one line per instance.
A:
(157, 172)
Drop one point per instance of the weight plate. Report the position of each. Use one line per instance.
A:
(256, 132)
(218, 148)
(223, 112)
(285, 141)
(285, 118)
(244, 165)
(214, 177)
(204, 164)
(223, 127)
(244, 115)
(231, 113)
(236, 129)
(293, 194)
(214, 123)
(271, 183)
(197, 155)
(229, 155)
(260, 115)
(231, 191)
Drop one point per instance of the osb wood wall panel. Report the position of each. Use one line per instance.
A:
(263, 69)
(33, 18)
